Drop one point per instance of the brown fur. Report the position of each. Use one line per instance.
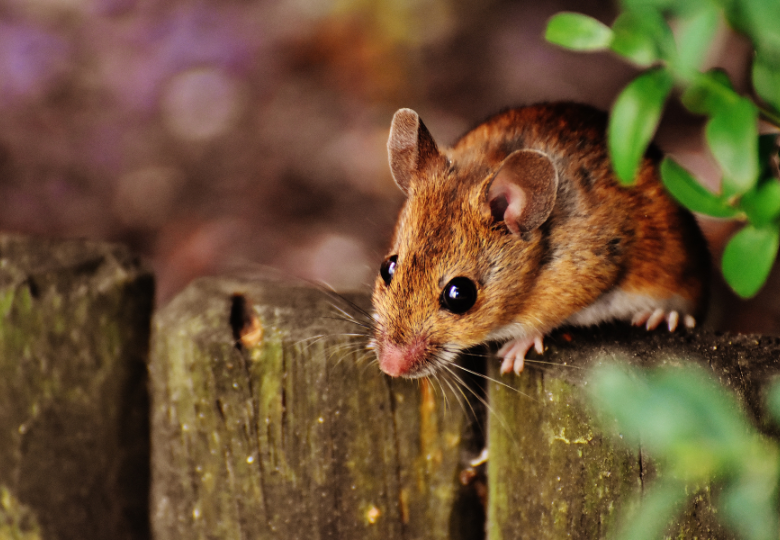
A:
(599, 236)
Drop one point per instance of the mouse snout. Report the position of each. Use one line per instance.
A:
(402, 360)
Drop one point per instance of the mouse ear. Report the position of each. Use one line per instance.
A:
(522, 193)
(411, 149)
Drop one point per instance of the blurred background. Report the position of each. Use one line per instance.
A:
(216, 135)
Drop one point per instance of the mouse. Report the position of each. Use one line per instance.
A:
(519, 228)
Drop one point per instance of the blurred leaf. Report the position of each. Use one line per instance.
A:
(681, 416)
(633, 120)
(643, 37)
(709, 92)
(717, 410)
(749, 257)
(762, 204)
(749, 504)
(660, 5)
(691, 193)
(620, 394)
(578, 32)
(694, 37)
(732, 135)
(696, 431)
(773, 400)
(756, 18)
(650, 515)
(766, 81)
(672, 7)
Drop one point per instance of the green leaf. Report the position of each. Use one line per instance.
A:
(773, 400)
(675, 7)
(633, 120)
(756, 18)
(716, 428)
(748, 258)
(709, 92)
(650, 516)
(681, 416)
(690, 193)
(732, 135)
(578, 32)
(749, 505)
(762, 204)
(766, 81)
(694, 37)
(643, 37)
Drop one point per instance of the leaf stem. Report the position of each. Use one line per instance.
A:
(769, 116)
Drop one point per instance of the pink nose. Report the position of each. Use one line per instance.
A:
(399, 360)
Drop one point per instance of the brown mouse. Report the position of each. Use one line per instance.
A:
(522, 227)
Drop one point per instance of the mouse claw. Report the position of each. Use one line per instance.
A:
(672, 319)
(651, 319)
(641, 318)
(655, 319)
(513, 353)
(539, 345)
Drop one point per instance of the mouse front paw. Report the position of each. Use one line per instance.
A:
(513, 353)
(651, 319)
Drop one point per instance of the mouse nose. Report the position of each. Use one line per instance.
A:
(401, 360)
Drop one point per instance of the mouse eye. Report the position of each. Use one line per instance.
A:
(458, 295)
(388, 268)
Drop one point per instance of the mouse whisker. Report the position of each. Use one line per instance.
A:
(555, 364)
(485, 403)
(457, 386)
(495, 381)
(455, 391)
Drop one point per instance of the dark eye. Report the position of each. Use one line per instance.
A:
(388, 269)
(458, 295)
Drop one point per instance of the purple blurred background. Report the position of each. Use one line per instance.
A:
(214, 135)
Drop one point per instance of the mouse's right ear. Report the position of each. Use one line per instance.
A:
(522, 193)
(411, 149)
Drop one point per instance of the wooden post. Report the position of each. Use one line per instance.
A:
(553, 474)
(290, 432)
(270, 420)
(74, 429)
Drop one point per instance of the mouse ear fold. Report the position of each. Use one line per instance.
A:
(522, 193)
(411, 149)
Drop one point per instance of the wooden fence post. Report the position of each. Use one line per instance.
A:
(74, 426)
(270, 421)
(553, 474)
(289, 434)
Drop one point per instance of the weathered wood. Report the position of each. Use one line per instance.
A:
(553, 474)
(295, 437)
(292, 434)
(74, 429)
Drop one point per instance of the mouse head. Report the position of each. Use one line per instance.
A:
(465, 249)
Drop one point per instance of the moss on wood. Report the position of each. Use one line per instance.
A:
(74, 430)
(291, 434)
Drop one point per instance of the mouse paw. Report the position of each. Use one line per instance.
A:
(513, 352)
(651, 319)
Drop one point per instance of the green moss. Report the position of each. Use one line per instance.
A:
(17, 521)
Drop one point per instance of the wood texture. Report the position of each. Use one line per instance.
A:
(74, 429)
(553, 473)
(294, 435)
(297, 435)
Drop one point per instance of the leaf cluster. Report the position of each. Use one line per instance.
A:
(671, 39)
(698, 433)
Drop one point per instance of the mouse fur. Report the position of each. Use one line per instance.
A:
(526, 206)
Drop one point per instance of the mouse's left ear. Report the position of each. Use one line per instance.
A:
(522, 193)
(412, 151)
